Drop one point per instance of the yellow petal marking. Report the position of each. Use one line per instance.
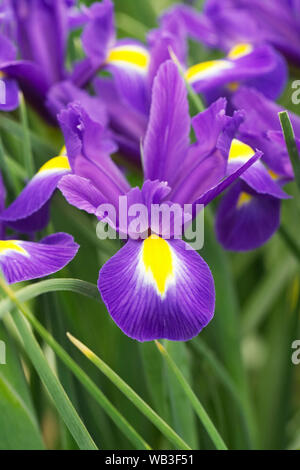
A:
(158, 261)
(11, 245)
(240, 50)
(130, 55)
(241, 151)
(56, 163)
(206, 69)
(243, 199)
(63, 151)
(273, 175)
(233, 86)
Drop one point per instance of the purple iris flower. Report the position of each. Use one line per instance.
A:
(33, 42)
(276, 22)
(154, 287)
(24, 260)
(128, 95)
(248, 61)
(249, 212)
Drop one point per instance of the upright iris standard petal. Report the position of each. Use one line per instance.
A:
(22, 261)
(246, 219)
(99, 32)
(167, 137)
(196, 25)
(35, 196)
(205, 163)
(128, 124)
(42, 34)
(158, 289)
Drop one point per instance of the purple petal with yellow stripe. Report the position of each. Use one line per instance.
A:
(158, 289)
(245, 219)
(257, 176)
(36, 194)
(244, 62)
(128, 61)
(22, 260)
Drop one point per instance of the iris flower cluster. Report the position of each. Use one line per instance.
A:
(130, 97)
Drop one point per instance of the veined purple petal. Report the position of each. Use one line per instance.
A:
(99, 32)
(245, 219)
(42, 33)
(79, 192)
(35, 195)
(261, 116)
(255, 63)
(167, 137)
(196, 25)
(2, 205)
(33, 223)
(21, 260)
(63, 93)
(207, 197)
(158, 289)
(206, 161)
(169, 36)
(128, 125)
(272, 84)
(128, 61)
(31, 79)
(257, 176)
(7, 49)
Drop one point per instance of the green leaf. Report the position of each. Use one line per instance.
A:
(165, 429)
(38, 145)
(183, 415)
(62, 400)
(19, 428)
(51, 285)
(267, 292)
(199, 409)
(47, 376)
(291, 145)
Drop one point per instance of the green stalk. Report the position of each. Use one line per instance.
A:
(195, 98)
(165, 429)
(291, 145)
(200, 411)
(29, 340)
(50, 285)
(52, 384)
(28, 155)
